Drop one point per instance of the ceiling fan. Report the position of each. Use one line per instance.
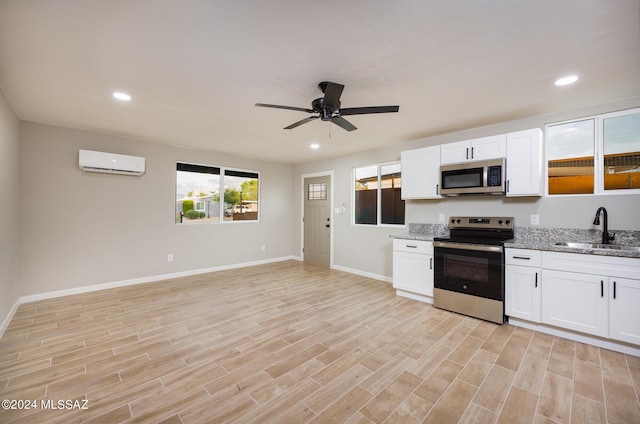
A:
(328, 108)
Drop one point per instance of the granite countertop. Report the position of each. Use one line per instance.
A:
(546, 239)
(424, 232)
(537, 238)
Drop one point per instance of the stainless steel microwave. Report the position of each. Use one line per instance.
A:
(478, 177)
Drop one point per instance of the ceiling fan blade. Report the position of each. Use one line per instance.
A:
(368, 109)
(301, 109)
(343, 123)
(332, 95)
(302, 121)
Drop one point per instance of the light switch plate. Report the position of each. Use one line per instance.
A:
(535, 219)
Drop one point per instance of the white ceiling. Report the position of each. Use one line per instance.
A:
(195, 68)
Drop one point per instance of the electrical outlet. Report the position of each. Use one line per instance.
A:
(441, 217)
(535, 219)
(264, 247)
(170, 257)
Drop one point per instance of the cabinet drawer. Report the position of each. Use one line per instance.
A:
(523, 257)
(611, 266)
(413, 246)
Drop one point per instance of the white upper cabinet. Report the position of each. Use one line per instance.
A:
(522, 150)
(421, 173)
(477, 149)
(524, 163)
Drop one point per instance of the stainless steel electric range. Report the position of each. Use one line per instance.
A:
(469, 267)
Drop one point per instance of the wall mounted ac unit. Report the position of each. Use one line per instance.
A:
(111, 163)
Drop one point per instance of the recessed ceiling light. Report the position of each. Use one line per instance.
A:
(569, 79)
(121, 96)
(315, 146)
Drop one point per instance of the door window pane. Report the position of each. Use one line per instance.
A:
(570, 155)
(621, 138)
(317, 191)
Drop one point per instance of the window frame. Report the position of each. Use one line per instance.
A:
(378, 223)
(222, 170)
(598, 155)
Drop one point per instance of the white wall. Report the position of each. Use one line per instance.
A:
(368, 249)
(9, 210)
(80, 229)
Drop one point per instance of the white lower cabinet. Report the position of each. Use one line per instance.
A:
(576, 301)
(624, 310)
(413, 266)
(598, 295)
(522, 284)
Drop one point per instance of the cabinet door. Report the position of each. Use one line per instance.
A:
(524, 163)
(624, 306)
(488, 147)
(522, 292)
(455, 152)
(421, 173)
(576, 301)
(413, 272)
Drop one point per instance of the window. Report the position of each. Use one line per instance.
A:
(621, 140)
(570, 153)
(377, 195)
(317, 191)
(198, 194)
(240, 195)
(595, 155)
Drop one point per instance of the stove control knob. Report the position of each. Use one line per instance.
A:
(500, 221)
(453, 221)
(508, 222)
(458, 221)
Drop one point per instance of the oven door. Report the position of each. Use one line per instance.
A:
(472, 269)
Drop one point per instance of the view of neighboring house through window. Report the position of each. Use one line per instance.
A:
(198, 194)
(240, 195)
(377, 195)
(621, 140)
(595, 155)
(570, 157)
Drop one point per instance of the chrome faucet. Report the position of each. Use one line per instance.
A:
(606, 238)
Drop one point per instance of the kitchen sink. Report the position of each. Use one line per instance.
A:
(599, 246)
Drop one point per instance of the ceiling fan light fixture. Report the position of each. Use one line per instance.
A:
(569, 79)
(328, 108)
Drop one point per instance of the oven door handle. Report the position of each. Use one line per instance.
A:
(467, 246)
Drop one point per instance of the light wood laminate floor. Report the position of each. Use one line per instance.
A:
(294, 343)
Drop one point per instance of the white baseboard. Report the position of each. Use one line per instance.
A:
(363, 273)
(414, 296)
(114, 284)
(577, 337)
(9, 317)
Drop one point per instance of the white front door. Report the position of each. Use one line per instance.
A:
(317, 220)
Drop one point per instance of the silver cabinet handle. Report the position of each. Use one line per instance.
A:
(526, 258)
